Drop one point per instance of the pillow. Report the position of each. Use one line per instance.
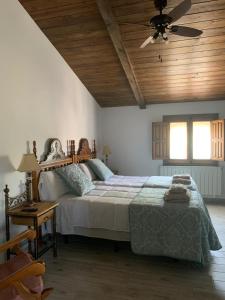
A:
(51, 186)
(100, 169)
(88, 171)
(76, 179)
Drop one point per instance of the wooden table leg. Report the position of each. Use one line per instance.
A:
(36, 239)
(54, 238)
(29, 243)
(7, 236)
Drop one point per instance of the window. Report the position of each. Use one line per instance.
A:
(178, 140)
(202, 140)
(192, 139)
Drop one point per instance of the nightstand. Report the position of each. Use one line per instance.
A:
(46, 210)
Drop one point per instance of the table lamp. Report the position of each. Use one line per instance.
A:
(106, 152)
(28, 164)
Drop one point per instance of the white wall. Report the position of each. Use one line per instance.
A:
(40, 96)
(128, 132)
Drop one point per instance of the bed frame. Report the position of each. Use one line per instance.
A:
(56, 158)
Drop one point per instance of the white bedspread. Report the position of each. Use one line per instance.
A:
(158, 181)
(118, 180)
(165, 182)
(142, 181)
(105, 207)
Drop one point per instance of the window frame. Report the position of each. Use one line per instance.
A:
(190, 118)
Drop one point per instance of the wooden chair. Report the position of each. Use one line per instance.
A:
(20, 277)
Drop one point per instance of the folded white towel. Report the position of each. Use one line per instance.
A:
(181, 181)
(178, 188)
(170, 197)
(184, 176)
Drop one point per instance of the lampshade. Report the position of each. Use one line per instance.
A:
(28, 163)
(106, 150)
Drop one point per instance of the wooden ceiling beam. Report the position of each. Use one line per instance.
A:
(114, 32)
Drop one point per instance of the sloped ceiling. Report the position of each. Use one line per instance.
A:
(186, 69)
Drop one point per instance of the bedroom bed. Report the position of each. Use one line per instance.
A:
(128, 208)
(142, 181)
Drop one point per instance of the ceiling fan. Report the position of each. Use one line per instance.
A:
(162, 23)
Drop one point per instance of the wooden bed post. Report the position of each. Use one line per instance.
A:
(94, 150)
(72, 151)
(7, 232)
(35, 148)
(35, 175)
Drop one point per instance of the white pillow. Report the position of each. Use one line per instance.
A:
(87, 171)
(51, 186)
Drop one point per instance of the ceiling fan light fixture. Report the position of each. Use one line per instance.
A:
(152, 41)
(165, 37)
(162, 23)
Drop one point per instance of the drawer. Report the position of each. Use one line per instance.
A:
(45, 217)
(27, 221)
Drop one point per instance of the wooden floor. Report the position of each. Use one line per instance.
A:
(89, 269)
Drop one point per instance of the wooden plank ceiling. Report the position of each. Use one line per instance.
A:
(192, 69)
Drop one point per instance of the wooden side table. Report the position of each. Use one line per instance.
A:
(46, 210)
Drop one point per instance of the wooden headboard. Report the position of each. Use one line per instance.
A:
(55, 158)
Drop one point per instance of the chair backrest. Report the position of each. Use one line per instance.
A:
(21, 276)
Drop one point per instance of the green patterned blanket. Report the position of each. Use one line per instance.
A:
(178, 230)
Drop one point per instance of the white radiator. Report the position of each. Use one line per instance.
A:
(208, 179)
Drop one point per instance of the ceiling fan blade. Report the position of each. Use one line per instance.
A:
(147, 41)
(185, 31)
(180, 10)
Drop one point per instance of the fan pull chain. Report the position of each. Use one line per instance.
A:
(160, 51)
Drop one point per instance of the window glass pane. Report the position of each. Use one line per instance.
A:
(178, 140)
(201, 140)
